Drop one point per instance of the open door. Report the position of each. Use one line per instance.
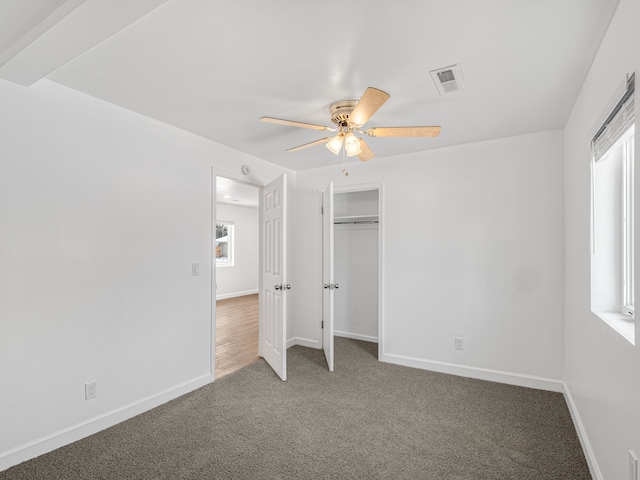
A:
(273, 324)
(327, 274)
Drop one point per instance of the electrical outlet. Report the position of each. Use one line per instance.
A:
(459, 343)
(633, 466)
(90, 390)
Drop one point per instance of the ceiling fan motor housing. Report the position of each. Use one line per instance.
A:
(341, 110)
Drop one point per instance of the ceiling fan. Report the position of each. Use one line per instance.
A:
(349, 116)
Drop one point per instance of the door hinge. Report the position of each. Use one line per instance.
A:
(321, 210)
(322, 324)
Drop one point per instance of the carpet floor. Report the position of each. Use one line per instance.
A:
(367, 420)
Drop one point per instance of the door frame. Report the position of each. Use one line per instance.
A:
(230, 176)
(363, 187)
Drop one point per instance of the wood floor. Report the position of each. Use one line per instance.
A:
(236, 333)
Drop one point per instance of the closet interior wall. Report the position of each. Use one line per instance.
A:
(356, 264)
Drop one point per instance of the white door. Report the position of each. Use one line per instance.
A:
(273, 326)
(327, 274)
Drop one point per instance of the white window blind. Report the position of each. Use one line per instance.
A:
(618, 122)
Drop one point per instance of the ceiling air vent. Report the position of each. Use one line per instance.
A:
(448, 79)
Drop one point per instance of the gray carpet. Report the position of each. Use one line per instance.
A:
(367, 420)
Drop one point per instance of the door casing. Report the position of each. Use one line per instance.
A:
(379, 186)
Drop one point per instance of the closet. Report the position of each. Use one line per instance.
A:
(356, 259)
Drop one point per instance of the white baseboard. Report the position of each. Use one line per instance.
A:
(93, 425)
(582, 434)
(224, 296)
(305, 342)
(356, 336)
(520, 380)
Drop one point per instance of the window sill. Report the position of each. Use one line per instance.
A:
(621, 323)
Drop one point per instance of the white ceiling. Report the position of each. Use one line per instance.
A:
(24, 18)
(214, 68)
(40, 36)
(236, 193)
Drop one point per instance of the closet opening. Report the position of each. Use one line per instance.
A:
(356, 225)
(357, 268)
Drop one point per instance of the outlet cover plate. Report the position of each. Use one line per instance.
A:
(90, 390)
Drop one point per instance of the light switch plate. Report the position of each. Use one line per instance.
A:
(195, 269)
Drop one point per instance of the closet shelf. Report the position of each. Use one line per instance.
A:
(355, 219)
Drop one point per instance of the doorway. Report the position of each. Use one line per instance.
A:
(352, 266)
(237, 227)
(356, 224)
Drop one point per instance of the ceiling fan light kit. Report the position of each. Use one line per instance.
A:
(349, 116)
(335, 144)
(352, 145)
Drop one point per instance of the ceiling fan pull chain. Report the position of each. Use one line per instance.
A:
(344, 162)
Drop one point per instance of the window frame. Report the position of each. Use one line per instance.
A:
(612, 217)
(627, 144)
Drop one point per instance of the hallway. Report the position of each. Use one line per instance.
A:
(236, 333)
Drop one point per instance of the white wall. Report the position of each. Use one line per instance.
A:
(473, 245)
(356, 271)
(102, 213)
(242, 277)
(602, 369)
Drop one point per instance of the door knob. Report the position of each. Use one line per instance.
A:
(326, 285)
(287, 286)
(278, 287)
(336, 286)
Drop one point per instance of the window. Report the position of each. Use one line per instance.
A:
(612, 218)
(224, 243)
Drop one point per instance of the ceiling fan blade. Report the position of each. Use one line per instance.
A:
(404, 131)
(293, 123)
(310, 144)
(366, 153)
(372, 99)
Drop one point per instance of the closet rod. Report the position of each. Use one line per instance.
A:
(355, 222)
